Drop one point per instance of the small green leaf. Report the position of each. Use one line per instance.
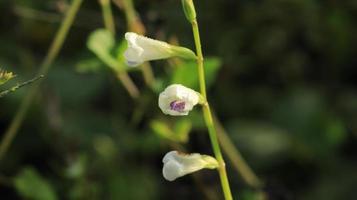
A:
(179, 133)
(101, 42)
(182, 129)
(123, 45)
(187, 73)
(162, 130)
(30, 185)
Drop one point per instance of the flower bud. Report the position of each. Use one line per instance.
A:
(178, 100)
(5, 76)
(179, 164)
(189, 10)
(141, 49)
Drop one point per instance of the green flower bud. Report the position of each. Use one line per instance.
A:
(189, 10)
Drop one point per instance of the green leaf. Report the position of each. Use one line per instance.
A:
(182, 129)
(101, 42)
(187, 73)
(120, 52)
(162, 130)
(30, 185)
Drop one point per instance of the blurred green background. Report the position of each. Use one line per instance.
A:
(282, 80)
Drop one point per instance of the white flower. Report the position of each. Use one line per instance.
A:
(178, 100)
(141, 49)
(178, 164)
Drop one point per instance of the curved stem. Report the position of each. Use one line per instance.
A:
(208, 115)
(128, 84)
(148, 74)
(52, 54)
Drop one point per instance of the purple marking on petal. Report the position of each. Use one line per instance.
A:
(178, 106)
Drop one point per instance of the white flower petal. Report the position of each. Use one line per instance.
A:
(179, 164)
(171, 170)
(178, 100)
(141, 49)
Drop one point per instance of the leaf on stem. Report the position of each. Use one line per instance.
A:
(101, 42)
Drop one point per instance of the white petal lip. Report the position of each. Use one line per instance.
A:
(178, 164)
(134, 52)
(172, 170)
(141, 49)
(178, 92)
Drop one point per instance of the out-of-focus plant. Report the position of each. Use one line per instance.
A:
(53, 51)
(6, 76)
(31, 185)
(101, 42)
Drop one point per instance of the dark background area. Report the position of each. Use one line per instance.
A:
(284, 89)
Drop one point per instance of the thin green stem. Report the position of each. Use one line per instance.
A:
(217, 152)
(201, 72)
(45, 66)
(18, 86)
(208, 115)
(107, 15)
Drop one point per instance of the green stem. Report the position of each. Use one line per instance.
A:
(45, 66)
(18, 86)
(128, 83)
(201, 73)
(208, 115)
(130, 13)
(148, 74)
(107, 15)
